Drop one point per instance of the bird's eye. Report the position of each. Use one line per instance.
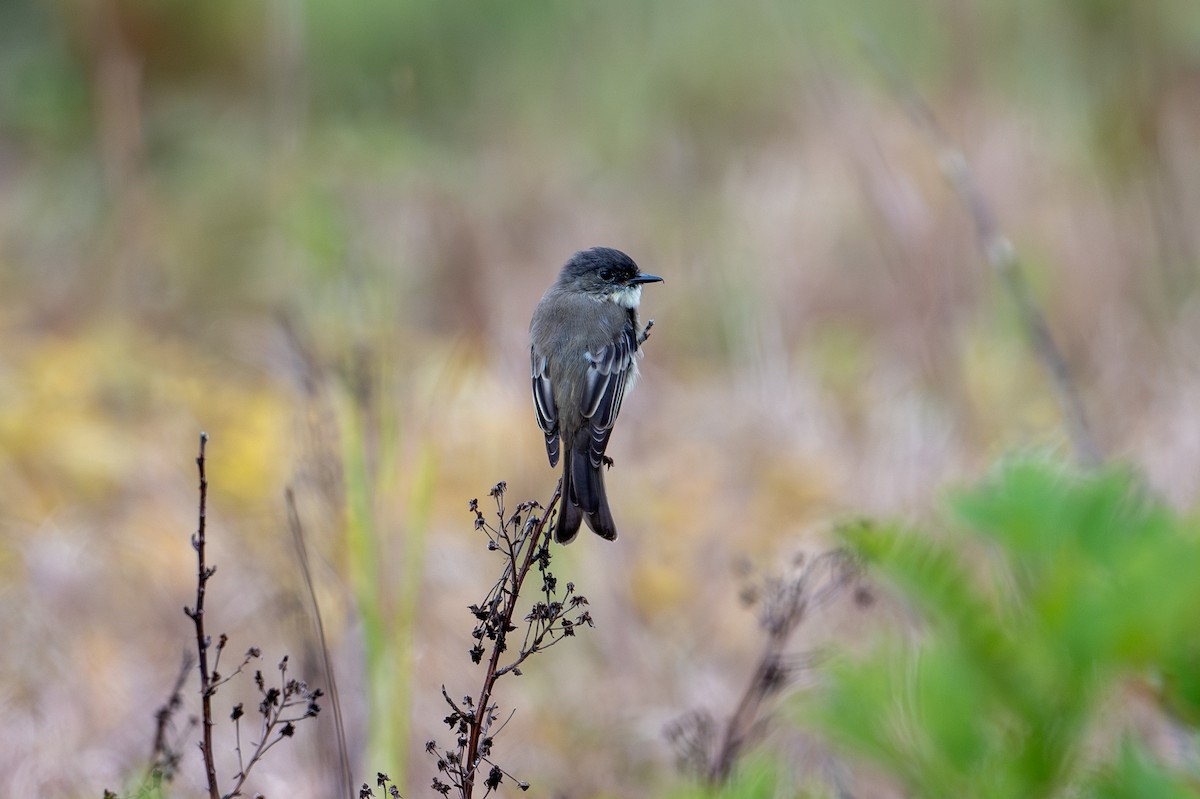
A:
(606, 274)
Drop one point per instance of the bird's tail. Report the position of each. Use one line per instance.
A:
(583, 499)
(569, 514)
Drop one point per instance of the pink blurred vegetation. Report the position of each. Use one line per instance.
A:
(317, 232)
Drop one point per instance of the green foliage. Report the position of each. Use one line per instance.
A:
(1049, 593)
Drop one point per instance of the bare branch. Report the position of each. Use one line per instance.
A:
(203, 573)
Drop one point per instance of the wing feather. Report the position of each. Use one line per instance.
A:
(543, 404)
(610, 371)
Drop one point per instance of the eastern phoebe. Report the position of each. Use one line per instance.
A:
(586, 335)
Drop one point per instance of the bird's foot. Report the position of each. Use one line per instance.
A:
(606, 461)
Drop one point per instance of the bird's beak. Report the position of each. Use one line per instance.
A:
(640, 279)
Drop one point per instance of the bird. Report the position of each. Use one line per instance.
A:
(586, 340)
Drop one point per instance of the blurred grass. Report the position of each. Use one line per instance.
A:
(387, 601)
(318, 233)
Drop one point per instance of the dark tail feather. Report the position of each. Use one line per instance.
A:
(569, 514)
(587, 484)
(601, 521)
(583, 497)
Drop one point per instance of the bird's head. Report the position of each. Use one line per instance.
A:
(606, 275)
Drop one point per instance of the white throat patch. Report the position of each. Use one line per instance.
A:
(627, 297)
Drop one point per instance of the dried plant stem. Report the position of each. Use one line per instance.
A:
(327, 661)
(746, 719)
(518, 573)
(165, 758)
(522, 539)
(280, 711)
(999, 253)
(784, 604)
(203, 573)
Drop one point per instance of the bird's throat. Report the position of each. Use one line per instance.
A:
(627, 296)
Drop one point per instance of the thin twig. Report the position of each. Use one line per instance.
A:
(276, 724)
(217, 679)
(237, 738)
(203, 573)
(998, 251)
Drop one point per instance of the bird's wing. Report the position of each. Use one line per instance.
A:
(543, 404)
(609, 372)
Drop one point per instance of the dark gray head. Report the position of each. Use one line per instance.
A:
(607, 274)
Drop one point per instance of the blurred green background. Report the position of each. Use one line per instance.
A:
(317, 230)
